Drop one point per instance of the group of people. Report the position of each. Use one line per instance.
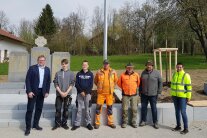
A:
(148, 86)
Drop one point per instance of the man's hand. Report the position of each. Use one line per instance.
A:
(83, 94)
(31, 95)
(46, 95)
(188, 100)
(63, 94)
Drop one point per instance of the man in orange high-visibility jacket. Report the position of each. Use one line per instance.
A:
(105, 80)
(129, 82)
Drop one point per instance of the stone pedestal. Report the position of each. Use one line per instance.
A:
(18, 66)
(37, 51)
(56, 61)
(205, 88)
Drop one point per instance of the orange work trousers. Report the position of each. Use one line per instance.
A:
(109, 102)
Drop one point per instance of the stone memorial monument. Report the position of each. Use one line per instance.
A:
(19, 62)
(18, 66)
(56, 61)
(40, 50)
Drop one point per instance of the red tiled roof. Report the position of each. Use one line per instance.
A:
(10, 36)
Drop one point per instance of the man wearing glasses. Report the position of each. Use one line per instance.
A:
(37, 88)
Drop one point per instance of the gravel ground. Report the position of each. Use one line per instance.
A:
(197, 129)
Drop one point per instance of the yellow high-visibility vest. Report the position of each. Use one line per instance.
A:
(181, 85)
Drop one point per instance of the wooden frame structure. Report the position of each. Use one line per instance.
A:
(167, 50)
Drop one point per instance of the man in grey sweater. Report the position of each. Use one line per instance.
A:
(150, 88)
(64, 82)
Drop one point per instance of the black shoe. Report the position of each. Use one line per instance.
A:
(134, 125)
(185, 131)
(156, 126)
(112, 126)
(27, 132)
(55, 127)
(177, 128)
(96, 126)
(74, 128)
(65, 126)
(142, 123)
(89, 126)
(37, 128)
(124, 125)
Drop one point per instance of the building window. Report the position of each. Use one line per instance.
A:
(5, 54)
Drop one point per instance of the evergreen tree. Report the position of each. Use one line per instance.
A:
(45, 25)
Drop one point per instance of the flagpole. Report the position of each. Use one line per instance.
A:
(105, 31)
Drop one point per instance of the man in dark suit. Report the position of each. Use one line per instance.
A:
(38, 81)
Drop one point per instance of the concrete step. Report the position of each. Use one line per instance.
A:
(20, 114)
(19, 91)
(19, 102)
(23, 106)
(12, 91)
(166, 115)
(22, 91)
(12, 85)
(21, 122)
(18, 85)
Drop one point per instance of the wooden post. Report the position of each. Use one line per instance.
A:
(170, 67)
(160, 56)
(155, 60)
(176, 60)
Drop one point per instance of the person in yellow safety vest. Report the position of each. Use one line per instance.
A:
(181, 89)
(105, 80)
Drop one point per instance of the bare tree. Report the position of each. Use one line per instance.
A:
(26, 31)
(144, 21)
(4, 21)
(97, 21)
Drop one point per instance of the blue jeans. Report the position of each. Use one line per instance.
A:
(180, 108)
(144, 103)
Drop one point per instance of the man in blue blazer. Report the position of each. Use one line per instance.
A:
(38, 81)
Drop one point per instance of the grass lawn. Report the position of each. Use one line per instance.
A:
(3, 68)
(119, 62)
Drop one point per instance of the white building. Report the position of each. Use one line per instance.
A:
(9, 43)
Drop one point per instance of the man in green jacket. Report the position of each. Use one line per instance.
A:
(181, 89)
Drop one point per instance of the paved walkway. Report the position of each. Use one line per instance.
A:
(197, 130)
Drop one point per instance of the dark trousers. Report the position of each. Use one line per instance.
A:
(180, 108)
(144, 103)
(36, 101)
(65, 102)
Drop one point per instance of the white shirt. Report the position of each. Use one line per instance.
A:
(41, 75)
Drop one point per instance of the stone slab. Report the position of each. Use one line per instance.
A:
(18, 66)
(37, 51)
(56, 61)
(200, 113)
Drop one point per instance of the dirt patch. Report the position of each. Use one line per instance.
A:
(3, 78)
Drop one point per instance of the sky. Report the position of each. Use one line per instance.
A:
(16, 10)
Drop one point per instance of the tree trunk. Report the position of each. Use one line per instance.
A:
(203, 42)
(183, 46)
(192, 46)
